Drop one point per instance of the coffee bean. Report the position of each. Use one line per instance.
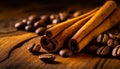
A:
(103, 51)
(34, 48)
(99, 38)
(77, 13)
(29, 22)
(105, 38)
(116, 51)
(24, 20)
(113, 36)
(52, 16)
(63, 16)
(40, 23)
(20, 25)
(118, 36)
(33, 17)
(91, 49)
(29, 28)
(44, 17)
(65, 52)
(55, 21)
(40, 30)
(112, 43)
(47, 57)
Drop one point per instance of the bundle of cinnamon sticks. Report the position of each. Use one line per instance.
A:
(79, 31)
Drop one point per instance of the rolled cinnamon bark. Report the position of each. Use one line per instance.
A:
(111, 21)
(52, 32)
(96, 20)
(54, 44)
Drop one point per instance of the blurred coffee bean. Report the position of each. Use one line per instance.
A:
(47, 57)
(63, 16)
(29, 28)
(40, 23)
(103, 51)
(113, 36)
(112, 43)
(77, 13)
(50, 25)
(34, 48)
(91, 49)
(52, 16)
(44, 17)
(55, 21)
(33, 17)
(65, 52)
(99, 38)
(24, 20)
(116, 51)
(118, 36)
(105, 38)
(20, 25)
(40, 30)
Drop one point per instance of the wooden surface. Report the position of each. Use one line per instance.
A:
(13, 45)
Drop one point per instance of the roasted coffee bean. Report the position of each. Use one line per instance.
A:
(34, 48)
(77, 13)
(102, 38)
(118, 36)
(52, 16)
(116, 51)
(40, 23)
(29, 28)
(112, 43)
(103, 51)
(65, 52)
(24, 20)
(34, 17)
(63, 16)
(113, 36)
(47, 57)
(29, 22)
(40, 30)
(20, 25)
(55, 21)
(91, 49)
(44, 17)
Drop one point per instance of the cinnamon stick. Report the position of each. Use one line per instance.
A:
(52, 32)
(96, 20)
(52, 45)
(106, 25)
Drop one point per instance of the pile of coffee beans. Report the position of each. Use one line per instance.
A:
(39, 23)
(107, 43)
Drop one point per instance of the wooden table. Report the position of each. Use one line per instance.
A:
(13, 43)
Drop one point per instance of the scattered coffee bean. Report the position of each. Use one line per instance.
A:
(103, 51)
(112, 43)
(29, 28)
(34, 17)
(55, 21)
(63, 16)
(52, 16)
(24, 20)
(77, 13)
(91, 49)
(116, 51)
(47, 57)
(34, 48)
(102, 38)
(20, 25)
(113, 36)
(44, 17)
(40, 30)
(40, 23)
(65, 52)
